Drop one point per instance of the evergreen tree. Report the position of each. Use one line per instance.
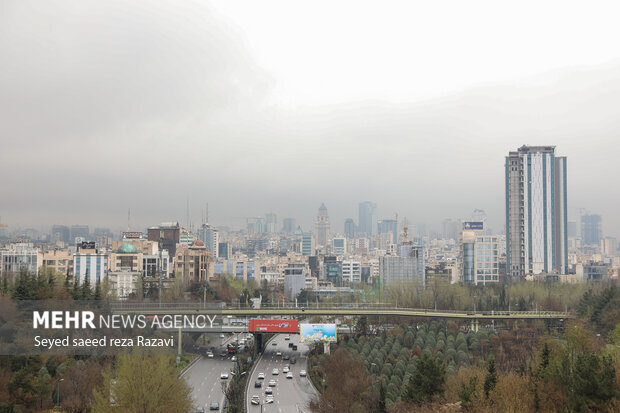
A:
(382, 406)
(67, 280)
(75, 292)
(5, 284)
(428, 380)
(544, 360)
(98, 289)
(86, 293)
(468, 393)
(491, 378)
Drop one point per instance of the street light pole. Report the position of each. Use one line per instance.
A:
(58, 396)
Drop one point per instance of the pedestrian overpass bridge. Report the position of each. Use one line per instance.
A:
(352, 309)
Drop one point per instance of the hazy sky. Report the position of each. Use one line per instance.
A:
(279, 106)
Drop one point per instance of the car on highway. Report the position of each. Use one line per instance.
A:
(273, 343)
(278, 353)
(261, 376)
(255, 399)
(287, 337)
(289, 375)
(285, 369)
(224, 375)
(294, 347)
(293, 360)
(272, 383)
(214, 406)
(258, 384)
(200, 410)
(210, 354)
(233, 358)
(290, 345)
(275, 372)
(268, 390)
(268, 399)
(286, 356)
(222, 336)
(303, 373)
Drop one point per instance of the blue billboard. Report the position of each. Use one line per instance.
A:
(475, 225)
(317, 332)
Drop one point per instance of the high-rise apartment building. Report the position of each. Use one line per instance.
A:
(478, 257)
(368, 218)
(288, 225)
(351, 272)
(409, 266)
(389, 225)
(536, 212)
(591, 230)
(271, 222)
(322, 226)
(211, 238)
(61, 233)
(79, 231)
(349, 228)
(307, 244)
(339, 245)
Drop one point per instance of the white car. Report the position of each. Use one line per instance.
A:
(233, 358)
(272, 383)
(303, 373)
(268, 390)
(224, 375)
(222, 336)
(275, 372)
(285, 369)
(278, 353)
(268, 399)
(210, 354)
(289, 375)
(287, 337)
(255, 399)
(261, 376)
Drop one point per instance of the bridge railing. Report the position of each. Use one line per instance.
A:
(197, 306)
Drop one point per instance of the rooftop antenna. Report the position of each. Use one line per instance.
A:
(187, 221)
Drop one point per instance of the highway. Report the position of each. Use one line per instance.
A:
(204, 376)
(290, 395)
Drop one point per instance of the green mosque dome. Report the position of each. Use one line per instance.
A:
(127, 249)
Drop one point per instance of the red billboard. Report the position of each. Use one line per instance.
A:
(273, 326)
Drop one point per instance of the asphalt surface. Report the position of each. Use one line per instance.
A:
(290, 395)
(204, 376)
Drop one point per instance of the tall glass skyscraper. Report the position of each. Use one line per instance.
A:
(368, 218)
(536, 212)
(591, 233)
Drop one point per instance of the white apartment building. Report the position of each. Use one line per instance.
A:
(351, 272)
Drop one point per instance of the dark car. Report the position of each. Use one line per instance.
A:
(293, 360)
(291, 344)
(258, 384)
(294, 347)
(286, 357)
